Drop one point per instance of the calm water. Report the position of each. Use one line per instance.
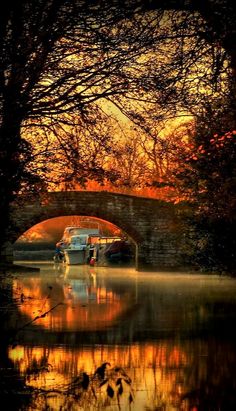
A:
(168, 340)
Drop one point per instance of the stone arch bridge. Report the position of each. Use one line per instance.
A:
(155, 226)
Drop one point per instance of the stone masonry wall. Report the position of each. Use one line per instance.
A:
(153, 225)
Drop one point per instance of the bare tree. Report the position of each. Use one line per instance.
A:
(60, 59)
(129, 165)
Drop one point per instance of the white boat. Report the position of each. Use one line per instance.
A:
(69, 231)
(86, 246)
(76, 251)
(70, 249)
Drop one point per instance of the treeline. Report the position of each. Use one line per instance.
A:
(33, 246)
(96, 94)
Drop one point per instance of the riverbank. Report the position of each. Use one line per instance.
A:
(32, 255)
(8, 267)
(40, 251)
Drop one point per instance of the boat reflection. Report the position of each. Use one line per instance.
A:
(167, 340)
(73, 301)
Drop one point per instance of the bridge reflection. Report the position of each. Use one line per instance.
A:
(75, 299)
(172, 335)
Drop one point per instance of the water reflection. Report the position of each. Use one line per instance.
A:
(167, 340)
(80, 301)
(171, 375)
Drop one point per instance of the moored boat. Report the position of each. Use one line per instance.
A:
(87, 246)
(71, 248)
(108, 250)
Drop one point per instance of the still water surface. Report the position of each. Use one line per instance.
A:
(164, 341)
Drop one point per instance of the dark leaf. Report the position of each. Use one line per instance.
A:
(120, 390)
(110, 391)
(130, 398)
(100, 371)
(85, 381)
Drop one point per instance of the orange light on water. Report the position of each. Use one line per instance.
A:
(55, 367)
(69, 306)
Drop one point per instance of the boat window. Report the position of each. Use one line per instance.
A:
(79, 239)
(83, 239)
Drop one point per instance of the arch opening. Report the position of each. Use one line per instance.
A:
(39, 241)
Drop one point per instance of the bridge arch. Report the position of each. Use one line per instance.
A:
(153, 225)
(27, 223)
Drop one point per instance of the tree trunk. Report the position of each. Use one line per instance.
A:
(10, 177)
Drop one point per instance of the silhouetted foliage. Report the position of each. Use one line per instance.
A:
(62, 62)
(208, 178)
(84, 389)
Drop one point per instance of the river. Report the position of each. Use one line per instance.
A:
(110, 338)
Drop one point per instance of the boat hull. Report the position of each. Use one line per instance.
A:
(75, 257)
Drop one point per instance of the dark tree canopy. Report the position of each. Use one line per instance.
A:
(62, 62)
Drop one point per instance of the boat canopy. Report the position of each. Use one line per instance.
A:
(81, 239)
(73, 230)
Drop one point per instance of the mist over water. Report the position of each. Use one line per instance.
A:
(167, 339)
